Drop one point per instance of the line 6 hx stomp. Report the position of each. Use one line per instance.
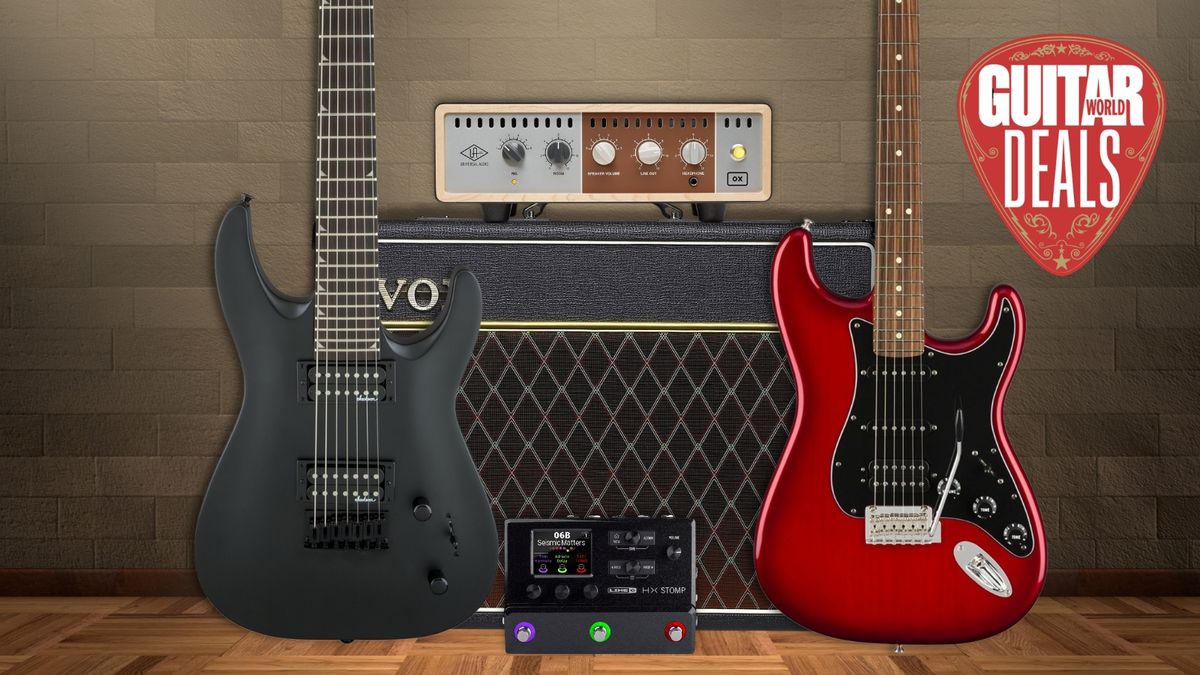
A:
(600, 585)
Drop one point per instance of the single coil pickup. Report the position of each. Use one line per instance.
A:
(367, 532)
(345, 482)
(898, 427)
(363, 382)
(896, 473)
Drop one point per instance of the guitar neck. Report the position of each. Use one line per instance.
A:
(347, 216)
(900, 279)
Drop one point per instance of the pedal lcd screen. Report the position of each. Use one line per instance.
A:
(562, 553)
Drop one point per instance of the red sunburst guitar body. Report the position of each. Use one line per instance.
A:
(810, 552)
(898, 512)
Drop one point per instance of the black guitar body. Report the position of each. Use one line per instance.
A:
(417, 559)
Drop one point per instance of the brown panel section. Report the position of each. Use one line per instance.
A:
(627, 175)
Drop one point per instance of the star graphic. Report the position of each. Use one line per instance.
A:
(1060, 263)
(1062, 49)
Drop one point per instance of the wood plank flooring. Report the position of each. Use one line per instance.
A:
(99, 636)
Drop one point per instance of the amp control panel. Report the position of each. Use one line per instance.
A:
(603, 152)
(592, 585)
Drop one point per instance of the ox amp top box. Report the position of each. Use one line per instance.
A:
(624, 369)
(502, 154)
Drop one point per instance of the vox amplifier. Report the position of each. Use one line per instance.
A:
(624, 369)
(596, 586)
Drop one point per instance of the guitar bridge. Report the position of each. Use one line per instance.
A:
(901, 525)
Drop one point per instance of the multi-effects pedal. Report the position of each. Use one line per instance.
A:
(704, 154)
(592, 585)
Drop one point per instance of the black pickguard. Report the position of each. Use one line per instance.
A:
(417, 558)
(898, 442)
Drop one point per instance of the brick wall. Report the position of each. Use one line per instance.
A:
(132, 124)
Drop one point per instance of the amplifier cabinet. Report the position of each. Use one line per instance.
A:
(624, 369)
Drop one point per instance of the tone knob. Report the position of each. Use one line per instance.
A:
(674, 552)
(1016, 533)
(558, 152)
(438, 583)
(533, 591)
(524, 632)
(693, 152)
(984, 507)
(513, 152)
(562, 591)
(955, 487)
(422, 511)
(603, 153)
(649, 152)
(591, 591)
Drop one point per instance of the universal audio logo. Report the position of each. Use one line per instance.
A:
(474, 153)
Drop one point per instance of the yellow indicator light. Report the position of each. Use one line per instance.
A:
(514, 181)
(738, 152)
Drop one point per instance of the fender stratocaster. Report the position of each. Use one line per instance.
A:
(345, 504)
(898, 512)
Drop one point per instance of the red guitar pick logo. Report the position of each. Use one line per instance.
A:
(1062, 130)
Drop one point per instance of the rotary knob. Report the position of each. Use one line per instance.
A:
(649, 152)
(984, 507)
(438, 583)
(558, 152)
(1016, 533)
(562, 591)
(533, 591)
(591, 591)
(603, 153)
(693, 152)
(674, 552)
(513, 152)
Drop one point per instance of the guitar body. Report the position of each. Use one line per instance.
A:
(810, 548)
(405, 571)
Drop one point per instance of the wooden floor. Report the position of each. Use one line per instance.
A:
(95, 636)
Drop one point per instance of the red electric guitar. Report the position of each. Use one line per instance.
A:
(898, 512)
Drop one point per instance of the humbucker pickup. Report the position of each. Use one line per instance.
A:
(345, 482)
(342, 382)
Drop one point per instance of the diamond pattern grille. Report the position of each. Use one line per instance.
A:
(621, 424)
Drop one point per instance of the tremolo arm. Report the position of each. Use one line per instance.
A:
(949, 482)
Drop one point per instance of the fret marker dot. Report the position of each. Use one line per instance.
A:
(899, 57)
(899, 288)
(899, 260)
(908, 211)
(899, 108)
(899, 312)
(888, 211)
(899, 335)
(899, 153)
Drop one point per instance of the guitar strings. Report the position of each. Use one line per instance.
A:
(379, 334)
(880, 172)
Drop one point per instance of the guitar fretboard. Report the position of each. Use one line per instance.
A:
(347, 326)
(900, 278)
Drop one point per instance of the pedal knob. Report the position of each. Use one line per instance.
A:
(599, 632)
(513, 152)
(562, 591)
(591, 591)
(438, 583)
(558, 152)
(649, 152)
(603, 153)
(675, 631)
(674, 552)
(693, 152)
(422, 511)
(533, 591)
(524, 632)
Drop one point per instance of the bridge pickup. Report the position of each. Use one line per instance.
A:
(345, 485)
(901, 525)
(362, 382)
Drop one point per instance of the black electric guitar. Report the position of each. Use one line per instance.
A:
(345, 505)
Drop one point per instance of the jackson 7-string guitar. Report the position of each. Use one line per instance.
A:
(345, 504)
(898, 512)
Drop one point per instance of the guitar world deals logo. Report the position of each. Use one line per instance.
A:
(1062, 130)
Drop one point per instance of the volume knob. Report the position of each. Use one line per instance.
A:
(603, 153)
(513, 152)
(558, 152)
(693, 152)
(649, 152)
